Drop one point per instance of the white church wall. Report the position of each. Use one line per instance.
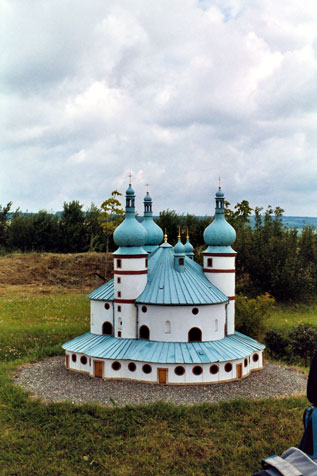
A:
(128, 317)
(130, 287)
(231, 317)
(180, 319)
(223, 281)
(99, 315)
(220, 262)
(130, 264)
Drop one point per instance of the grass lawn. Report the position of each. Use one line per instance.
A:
(227, 439)
(285, 316)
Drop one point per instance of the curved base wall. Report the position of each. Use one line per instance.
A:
(169, 366)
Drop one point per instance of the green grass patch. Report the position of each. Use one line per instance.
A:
(37, 326)
(286, 316)
(63, 439)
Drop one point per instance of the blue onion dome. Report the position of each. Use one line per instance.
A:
(219, 232)
(154, 232)
(179, 248)
(130, 232)
(189, 249)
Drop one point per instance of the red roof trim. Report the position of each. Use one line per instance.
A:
(143, 271)
(208, 270)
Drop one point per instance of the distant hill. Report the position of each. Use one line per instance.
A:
(295, 222)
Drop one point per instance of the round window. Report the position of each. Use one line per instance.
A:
(116, 366)
(255, 357)
(214, 369)
(228, 367)
(195, 310)
(107, 305)
(245, 362)
(74, 357)
(197, 370)
(144, 308)
(132, 367)
(83, 359)
(147, 369)
(179, 370)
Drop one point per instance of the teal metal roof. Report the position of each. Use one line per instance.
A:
(168, 286)
(104, 293)
(236, 346)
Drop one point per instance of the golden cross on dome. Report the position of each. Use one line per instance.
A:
(219, 182)
(130, 177)
(165, 237)
(187, 236)
(179, 233)
(147, 187)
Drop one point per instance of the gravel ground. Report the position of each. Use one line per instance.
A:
(50, 381)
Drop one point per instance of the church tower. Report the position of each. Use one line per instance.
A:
(130, 269)
(219, 258)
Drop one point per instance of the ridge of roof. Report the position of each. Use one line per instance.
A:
(167, 286)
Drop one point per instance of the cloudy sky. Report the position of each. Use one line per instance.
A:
(179, 92)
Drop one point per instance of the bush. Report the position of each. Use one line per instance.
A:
(276, 343)
(303, 341)
(251, 314)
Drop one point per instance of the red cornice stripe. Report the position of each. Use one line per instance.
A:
(232, 298)
(207, 270)
(144, 271)
(220, 254)
(124, 301)
(130, 256)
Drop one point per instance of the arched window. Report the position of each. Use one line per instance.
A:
(107, 329)
(194, 335)
(144, 332)
(167, 327)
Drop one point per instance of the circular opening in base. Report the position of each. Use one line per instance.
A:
(228, 367)
(116, 366)
(197, 370)
(214, 369)
(147, 369)
(179, 370)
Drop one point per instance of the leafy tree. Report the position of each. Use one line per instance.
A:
(4, 224)
(73, 228)
(110, 217)
(94, 230)
(251, 314)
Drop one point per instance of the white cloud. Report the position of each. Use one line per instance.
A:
(178, 92)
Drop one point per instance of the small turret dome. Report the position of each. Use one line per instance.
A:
(189, 249)
(130, 232)
(179, 248)
(219, 232)
(154, 232)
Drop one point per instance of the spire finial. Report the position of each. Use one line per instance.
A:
(165, 236)
(179, 232)
(187, 236)
(219, 182)
(147, 187)
(130, 177)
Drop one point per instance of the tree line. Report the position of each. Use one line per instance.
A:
(271, 258)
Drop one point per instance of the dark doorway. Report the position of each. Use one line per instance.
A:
(107, 329)
(144, 332)
(194, 335)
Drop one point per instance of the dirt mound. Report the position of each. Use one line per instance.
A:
(43, 271)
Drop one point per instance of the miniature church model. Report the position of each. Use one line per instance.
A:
(163, 318)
